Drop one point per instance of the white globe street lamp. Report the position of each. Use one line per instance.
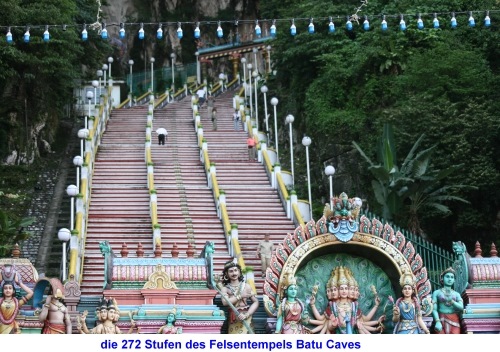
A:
(99, 74)
(90, 95)
(289, 120)
(82, 134)
(249, 66)
(243, 61)
(105, 69)
(172, 56)
(152, 60)
(330, 171)
(110, 61)
(95, 84)
(306, 142)
(256, 77)
(78, 162)
(274, 102)
(64, 235)
(130, 63)
(264, 90)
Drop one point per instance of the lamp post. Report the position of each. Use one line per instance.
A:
(82, 134)
(243, 61)
(72, 191)
(255, 76)
(306, 142)
(274, 102)
(105, 69)
(268, 48)
(90, 95)
(249, 66)
(152, 60)
(264, 90)
(289, 120)
(330, 171)
(95, 84)
(198, 67)
(172, 56)
(78, 162)
(110, 61)
(64, 235)
(130, 63)
(255, 51)
(99, 74)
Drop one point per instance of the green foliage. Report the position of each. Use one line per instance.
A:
(12, 231)
(345, 86)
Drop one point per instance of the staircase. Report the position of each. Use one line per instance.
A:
(119, 207)
(251, 201)
(186, 208)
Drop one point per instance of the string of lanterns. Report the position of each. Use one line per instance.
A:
(101, 27)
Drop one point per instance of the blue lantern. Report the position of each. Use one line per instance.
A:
(258, 31)
(141, 31)
(27, 35)
(420, 23)
(348, 25)
(8, 36)
(273, 29)
(435, 21)
(197, 31)
(331, 26)
(180, 33)
(472, 22)
(366, 24)
(85, 34)
(402, 24)
(487, 20)
(46, 34)
(383, 25)
(159, 32)
(121, 32)
(310, 28)
(220, 33)
(293, 29)
(453, 21)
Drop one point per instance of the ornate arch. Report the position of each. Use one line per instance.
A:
(340, 231)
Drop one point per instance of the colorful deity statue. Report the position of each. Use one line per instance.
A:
(447, 305)
(407, 313)
(108, 317)
(330, 322)
(169, 327)
(292, 315)
(348, 315)
(237, 293)
(54, 313)
(9, 304)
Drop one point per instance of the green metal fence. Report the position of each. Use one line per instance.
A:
(162, 79)
(435, 259)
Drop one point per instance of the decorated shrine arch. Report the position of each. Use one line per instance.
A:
(373, 253)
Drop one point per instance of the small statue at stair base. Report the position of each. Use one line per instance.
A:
(447, 305)
(9, 304)
(169, 327)
(237, 293)
(108, 316)
(54, 313)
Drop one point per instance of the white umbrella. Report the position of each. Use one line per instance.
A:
(161, 130)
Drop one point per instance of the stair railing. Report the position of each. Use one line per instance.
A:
(96, 128)
(230, 230)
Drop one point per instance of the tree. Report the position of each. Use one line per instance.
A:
(12, 230)
(406, 192)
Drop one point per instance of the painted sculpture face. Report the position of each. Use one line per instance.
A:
(111, 314)
(449, 279)
(334, 293)
(104, 314)
(344, 291)
(329, 293)
(352, 292)
(356, 292)
(171, 318)
(291, 291)
(8, 290)
(407, 291)
(233, 273)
